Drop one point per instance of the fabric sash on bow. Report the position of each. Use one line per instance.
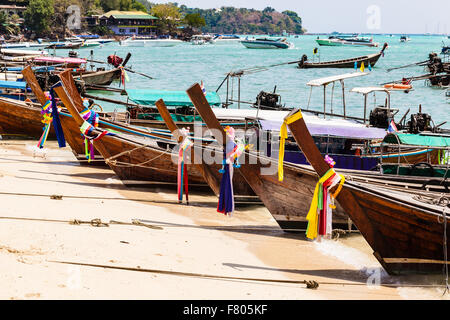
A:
(47, 121)
(283, 137)
(123, 75)
(50, 114)
(320, 212)
(230, 161)
(90, 123)
(182, 177)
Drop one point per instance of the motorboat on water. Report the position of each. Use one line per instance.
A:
(267, 43)
(150, 42)
(226, 38)
(201, 39)
(345, 40)
(405, 39)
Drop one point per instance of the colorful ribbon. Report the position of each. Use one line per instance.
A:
(283, 136)
(319, 216)
(49, 112)
(123, 75)
(90, 123)
(231, 154)
(182, 177)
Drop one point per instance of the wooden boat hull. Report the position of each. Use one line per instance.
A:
(18, 117)
(103, 78)
(347, 63)
(288, 202)
(407, 234)
(406, 238)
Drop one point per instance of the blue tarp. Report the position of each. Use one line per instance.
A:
(171, 98)
(13, 84)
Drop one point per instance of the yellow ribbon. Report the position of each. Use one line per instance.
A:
(283, 136)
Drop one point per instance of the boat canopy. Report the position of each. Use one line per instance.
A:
(417, 140)
(367, 90)
(13, 84)
(342, 131)
(171, 98)
(60, 60)
(328, 80)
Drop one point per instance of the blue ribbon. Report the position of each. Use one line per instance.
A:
(56, 121)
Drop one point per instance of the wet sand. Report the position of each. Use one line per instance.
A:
(35, 233)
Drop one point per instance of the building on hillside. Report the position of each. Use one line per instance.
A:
(128, 23)
(11, 9)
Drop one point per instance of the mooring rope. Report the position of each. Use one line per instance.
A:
(310, 284)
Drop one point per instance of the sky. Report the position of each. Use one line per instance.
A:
(363, 16)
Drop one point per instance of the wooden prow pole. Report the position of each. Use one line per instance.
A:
(31, 80)
(198, 98)
(69, 104)
(171, 125)
(69, 85)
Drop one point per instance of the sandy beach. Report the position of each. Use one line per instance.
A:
(44, 254)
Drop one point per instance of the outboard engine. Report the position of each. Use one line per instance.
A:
(115, 60)
(380, 117)
(73, 54)
(419, 122)
(268, 100)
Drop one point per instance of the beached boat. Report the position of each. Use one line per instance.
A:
(150, 42)
(136, 159)
(407, 232)
(286, 201)
(266, 43)
(368, 60)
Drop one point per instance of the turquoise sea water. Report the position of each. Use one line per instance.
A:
(177, 68)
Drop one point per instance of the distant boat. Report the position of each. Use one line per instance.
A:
(226, 38)
(64, 45)
(368, 60)
(267, 43)
(200, 39)
(150, 42)
(405, 39)
(343, 40)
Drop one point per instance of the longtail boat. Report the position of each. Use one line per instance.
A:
(368, 60)
(405, 233)
(135, 158)
(286, 200)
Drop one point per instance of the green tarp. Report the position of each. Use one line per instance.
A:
(417, 140)
(171, 98)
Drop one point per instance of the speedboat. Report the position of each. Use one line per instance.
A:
(266, 43)
(150, 42)
(226, 38)
(200, 39)
(343, 40)
(405, 39)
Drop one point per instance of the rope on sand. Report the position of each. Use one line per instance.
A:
(310, 284)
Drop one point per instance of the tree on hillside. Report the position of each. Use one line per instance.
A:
(38, 16)
(194, 20)
(293, 15)
(169, 16)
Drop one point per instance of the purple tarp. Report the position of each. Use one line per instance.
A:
(349, 131)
